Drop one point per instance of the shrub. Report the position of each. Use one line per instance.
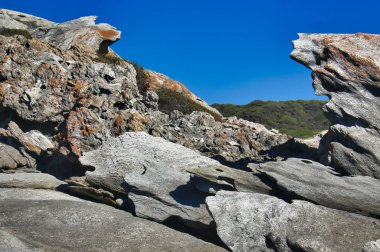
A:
(171, 100)
(141, 77)
(12, 32)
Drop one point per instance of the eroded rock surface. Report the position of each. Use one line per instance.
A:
(346, 68)
(257, 222)
(320, 184)
(156, 175)
(53, 221)
(64, 35)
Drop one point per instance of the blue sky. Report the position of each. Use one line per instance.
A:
(224, 51)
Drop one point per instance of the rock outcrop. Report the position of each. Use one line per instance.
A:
(346, 68)
(308, 180)
(81, 31)
(157, 177)
(43, 220)
(257, 222)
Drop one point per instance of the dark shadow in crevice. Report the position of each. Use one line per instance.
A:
(208, 235)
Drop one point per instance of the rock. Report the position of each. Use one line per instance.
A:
(81, 31)
(257, 222)
(156, 175)
(305, 179)
(157, 81)
(372, 246)
(33, 141)
(30, 180)
(200, 131)
(61, 222)
(346, 69)
(11, 158)
(223, 177)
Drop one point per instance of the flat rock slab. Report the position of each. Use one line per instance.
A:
(30, 180)
(154, 173)
(317, 183)
(258, 222)
(65, 223)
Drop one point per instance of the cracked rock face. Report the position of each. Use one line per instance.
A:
(257, 222)
(53, 221)
(156, 175)
(305, 179)
(81, 31)
(346, 68)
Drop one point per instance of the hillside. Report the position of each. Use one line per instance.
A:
(298, 118)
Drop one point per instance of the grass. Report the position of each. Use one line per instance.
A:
(12, 32)
(298, 118)
(171, 100)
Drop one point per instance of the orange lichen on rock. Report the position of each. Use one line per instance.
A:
(109, 34)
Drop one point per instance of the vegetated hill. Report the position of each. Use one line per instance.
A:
(300, 118)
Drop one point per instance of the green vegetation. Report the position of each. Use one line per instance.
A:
(171, 100)
(141, 77)
(12, 32)
(108, 58)
(296, 118)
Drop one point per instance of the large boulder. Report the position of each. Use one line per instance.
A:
(346, 69)
(305, 179)
(257, 222)
(156, 175)
(30, 180)
(42, 220)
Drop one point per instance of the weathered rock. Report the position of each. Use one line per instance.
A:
(223, 177)
(33, 141)
(346, 69)
(372, 246)
(30, 180)
(81, 31)
(234, 141)
(305, 179)
(157, 81)
(11, 158)
(257, 222)
(156, 174)
(63, 223)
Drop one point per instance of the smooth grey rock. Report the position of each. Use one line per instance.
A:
(29, 180)
(258, 222)
(346, 69)
(156, 175)
(305, 179)
(372, 246)
(65, 223)
(11, 158)
(223, 177)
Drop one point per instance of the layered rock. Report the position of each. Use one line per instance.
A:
(53, 221)
(81, 31)
(257, 222)
(305, 179)
(346, 68)
(156, 176)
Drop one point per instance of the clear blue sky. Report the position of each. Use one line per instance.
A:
(224, 51)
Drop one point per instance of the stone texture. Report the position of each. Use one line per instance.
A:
(305, 179)
(65, 223)
(30, 180)
(372, 246)
(11, 158)
(81, 31)
(156, 175)
(257, 222)
(346, 69)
